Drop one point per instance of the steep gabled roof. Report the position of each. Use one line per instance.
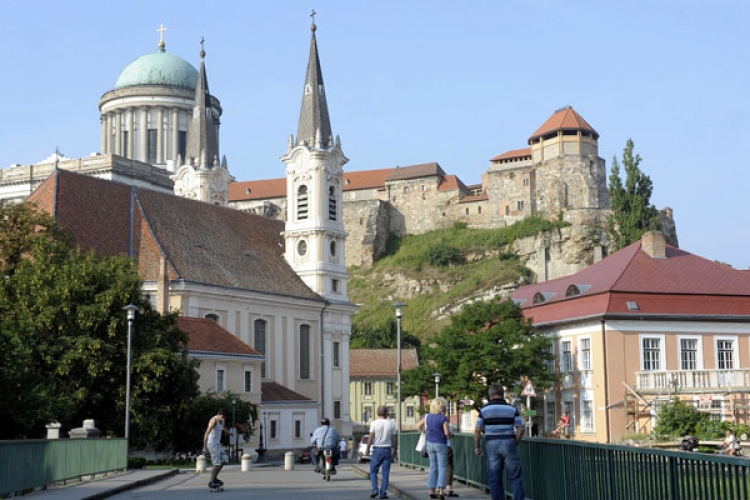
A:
(563, 119)
(202, 243)
(257, 190)
(314, 121)
(680, 284)
(273, 392)
(207, 336)
(368, 363)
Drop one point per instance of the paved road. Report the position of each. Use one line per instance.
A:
(268, 482)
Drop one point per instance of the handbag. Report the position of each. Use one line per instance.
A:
(422, 443)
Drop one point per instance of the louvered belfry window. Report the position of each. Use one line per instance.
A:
(302, 203)
(332, 203)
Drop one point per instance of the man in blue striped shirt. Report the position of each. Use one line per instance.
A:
(503, 429)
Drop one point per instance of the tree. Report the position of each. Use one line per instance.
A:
(677, 419)
(632, 211)
(382, 337)
(486, 342)
(63, 335)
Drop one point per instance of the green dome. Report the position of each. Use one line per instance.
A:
(159, 68)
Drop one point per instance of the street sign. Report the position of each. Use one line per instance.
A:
(528, 389)
(467, 402)
(529, 413)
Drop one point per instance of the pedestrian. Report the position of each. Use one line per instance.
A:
(212, 445)
(325, 437)
(384, 443)
(503, 429)
(342, 448)
(449, 467)
(435, 426)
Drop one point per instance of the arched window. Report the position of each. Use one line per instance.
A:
(302, 203)
(332, 203)
(259, 341)
(304, 352)
(212, 317)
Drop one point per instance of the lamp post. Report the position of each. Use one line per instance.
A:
(399, 311)
(261, 449)
(437, 384)
(234, 423)
(130, 309)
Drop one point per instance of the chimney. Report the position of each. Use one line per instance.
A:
(653, 243)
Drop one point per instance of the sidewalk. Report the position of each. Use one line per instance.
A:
(405, 483)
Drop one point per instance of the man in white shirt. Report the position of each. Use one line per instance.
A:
(384, 443)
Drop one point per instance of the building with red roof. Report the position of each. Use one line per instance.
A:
(649, 323)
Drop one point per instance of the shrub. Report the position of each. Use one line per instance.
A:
(678, 419)
(442, 255)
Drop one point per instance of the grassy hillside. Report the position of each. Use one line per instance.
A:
(437, 271)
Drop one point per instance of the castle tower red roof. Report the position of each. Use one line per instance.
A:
(563, 119)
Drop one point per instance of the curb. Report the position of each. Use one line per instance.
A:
(131, 485)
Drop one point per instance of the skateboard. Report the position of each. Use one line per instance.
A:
(215, 487)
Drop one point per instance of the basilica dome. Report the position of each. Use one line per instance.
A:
(159, 68)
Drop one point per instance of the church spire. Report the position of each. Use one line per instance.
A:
(202, 136)
(314, 124)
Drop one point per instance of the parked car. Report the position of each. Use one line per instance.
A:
(362, 449)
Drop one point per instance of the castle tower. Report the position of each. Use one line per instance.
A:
(201, 177)
(315, 236)
(566, 168)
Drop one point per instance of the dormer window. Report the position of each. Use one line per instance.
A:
(633, 305)
(574, 290)
(540, 297)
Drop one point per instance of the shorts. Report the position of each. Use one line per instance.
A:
(218, 455)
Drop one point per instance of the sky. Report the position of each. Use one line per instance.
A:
(412, 82)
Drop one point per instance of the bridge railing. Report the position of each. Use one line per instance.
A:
(35, 463)
(561, 469)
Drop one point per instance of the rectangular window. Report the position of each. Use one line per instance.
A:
(368, 389)
(125, 143)
(587, 416)
(550, 416)
(152, 145)
(182, 145)
(221, 382)
(337, 410)
(688, 354)
(297, 429)
(568, 408)
(567, 357)
(337, 354)
(410, 411)
(391, 411)
(274, 429)
(586, 354)
(651, 348)
(335, 286)
(259, 340)
(304, 352)
(367, 414)
(725, 354)
(551, 361)
(248, 381)
(389, 386)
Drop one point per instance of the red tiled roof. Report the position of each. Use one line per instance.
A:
(380, 362)
(563, 119)
(474, 197)
(207, 335)
(273, 392)
(514, 153)
(202, 243)
(680, 284)
(365, 179)
(257, 190)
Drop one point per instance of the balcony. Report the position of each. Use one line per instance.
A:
(693, 381)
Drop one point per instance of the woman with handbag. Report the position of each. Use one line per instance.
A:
(436, 428)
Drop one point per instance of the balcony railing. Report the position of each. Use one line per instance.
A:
(692, 380)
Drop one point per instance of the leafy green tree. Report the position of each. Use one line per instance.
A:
(632, 211)
(64, 340)
(486, 342)
(678, 419)
(381, 337)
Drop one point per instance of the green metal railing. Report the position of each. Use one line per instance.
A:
(29, 464)
(561, 469)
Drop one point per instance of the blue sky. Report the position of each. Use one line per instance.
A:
(415, 82)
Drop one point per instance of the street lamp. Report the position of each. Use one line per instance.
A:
(261, 449)
(234, 422)
(437, 384)
(399, 312)
(131, 310)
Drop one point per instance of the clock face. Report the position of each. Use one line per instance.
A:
(302, 248)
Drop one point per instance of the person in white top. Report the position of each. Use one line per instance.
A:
(384, 443)
(212, 444)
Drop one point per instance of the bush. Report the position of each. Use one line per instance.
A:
(442, 255)
(137, 462)
(677, 419)
(711, 430)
